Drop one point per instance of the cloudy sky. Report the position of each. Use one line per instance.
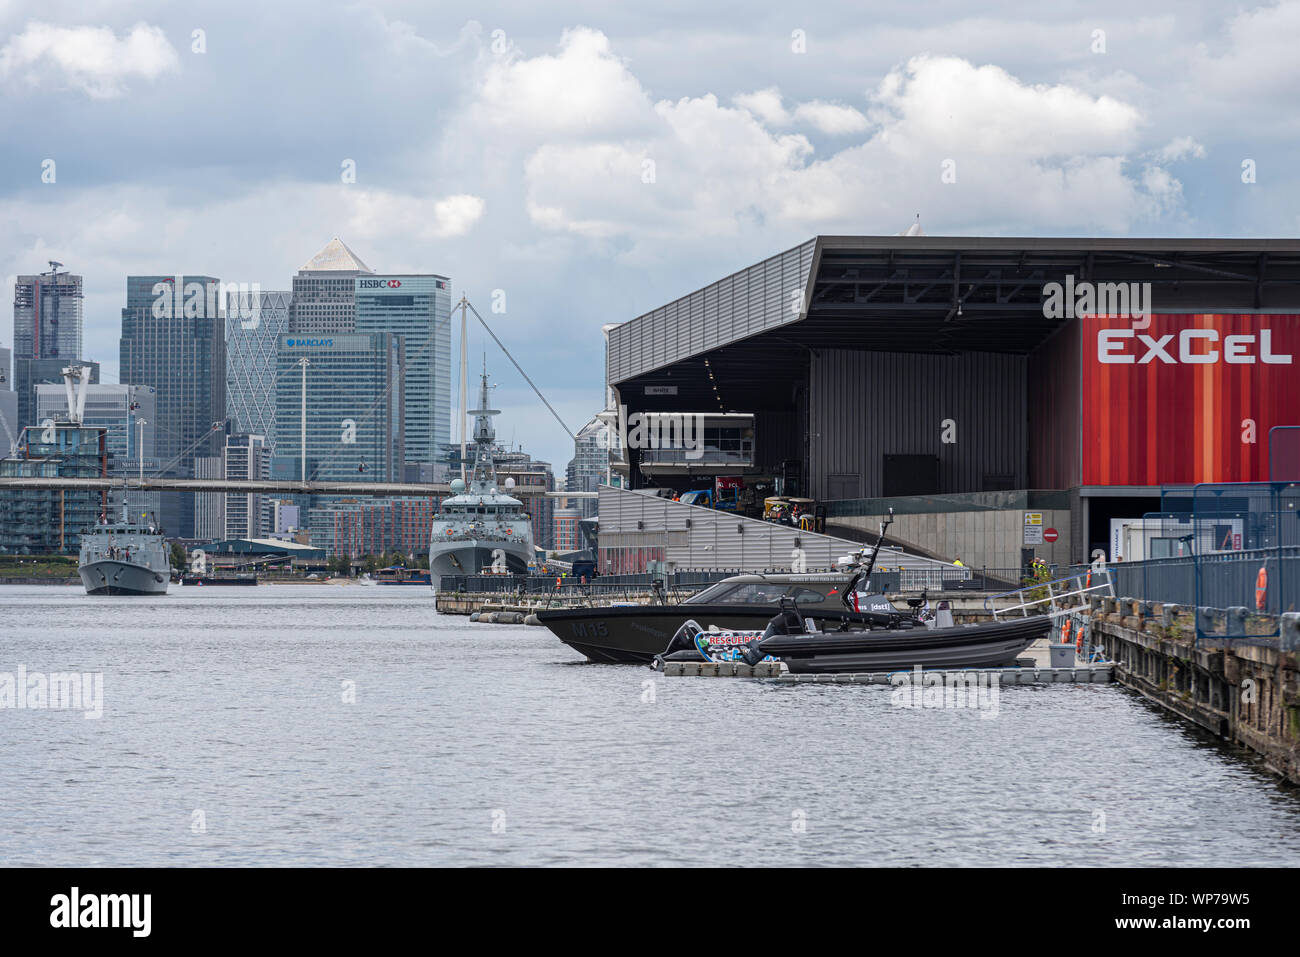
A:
(594, 160)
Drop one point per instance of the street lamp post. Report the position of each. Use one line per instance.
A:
(302, 432)
(139, 445)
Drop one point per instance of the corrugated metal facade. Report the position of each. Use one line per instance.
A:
(870, 404)
(741, 305)
(1055, 390)
(657, 527)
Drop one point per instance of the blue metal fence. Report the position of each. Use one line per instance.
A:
(1223, 546)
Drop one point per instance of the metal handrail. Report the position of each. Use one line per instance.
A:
(1053, 597)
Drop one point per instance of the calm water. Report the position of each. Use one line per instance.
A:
(484, 744)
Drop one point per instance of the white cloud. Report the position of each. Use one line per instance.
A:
(92, 59)
(949, 103)
(580, 89)
(379, 213)
(1180, 148)
(831, 117)
(1260, 59)
(764, 104)
(1044, 156)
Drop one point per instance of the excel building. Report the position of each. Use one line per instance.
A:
(417, 308)
(1011, 395)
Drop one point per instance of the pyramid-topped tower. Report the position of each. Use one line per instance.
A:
(323, 291)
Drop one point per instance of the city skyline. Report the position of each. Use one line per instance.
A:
(507, 147)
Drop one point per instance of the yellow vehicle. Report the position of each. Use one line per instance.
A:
(771, 504)
(805, 519)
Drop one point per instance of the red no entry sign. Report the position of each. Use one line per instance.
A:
(1050, 534)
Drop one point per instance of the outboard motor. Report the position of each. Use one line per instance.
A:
(789, 621)
(689, 643)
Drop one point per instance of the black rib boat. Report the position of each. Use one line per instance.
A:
(866, 646)
(877, 638)
(636, 633)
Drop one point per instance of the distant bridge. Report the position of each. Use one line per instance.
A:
(274, 486)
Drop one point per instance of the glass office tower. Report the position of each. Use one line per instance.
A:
(354, 387)
(250, 364)
(416, 307)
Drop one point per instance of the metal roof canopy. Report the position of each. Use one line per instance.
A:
(933, 294)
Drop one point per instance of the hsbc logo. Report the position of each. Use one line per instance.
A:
(380, 283)
(1193, 346)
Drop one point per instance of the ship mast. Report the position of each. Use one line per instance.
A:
(485, 478)
(464, 375)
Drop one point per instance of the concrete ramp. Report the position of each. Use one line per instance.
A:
(635, 527)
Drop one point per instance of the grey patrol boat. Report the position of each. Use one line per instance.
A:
(124, 558)
(479, 528)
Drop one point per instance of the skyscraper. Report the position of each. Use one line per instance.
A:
(250, 364)
(354, 406)
(9, 427)
(589, 466)
(173, 339)
(418, 308)
(47, 332)
(245, 458)
(47, 315)
(324, 301)
(353, 416)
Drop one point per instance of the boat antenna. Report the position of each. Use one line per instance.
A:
(864, 574)
(884, 527)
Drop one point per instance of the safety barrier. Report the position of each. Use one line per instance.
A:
(1054, 593)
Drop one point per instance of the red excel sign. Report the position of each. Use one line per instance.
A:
(1189, 398)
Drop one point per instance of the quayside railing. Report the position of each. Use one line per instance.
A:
(1094, 581)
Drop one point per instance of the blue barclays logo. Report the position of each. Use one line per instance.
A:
(290, 343)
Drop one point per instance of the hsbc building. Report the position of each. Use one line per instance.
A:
(416, 307)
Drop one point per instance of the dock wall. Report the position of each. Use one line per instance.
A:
(1243, 690)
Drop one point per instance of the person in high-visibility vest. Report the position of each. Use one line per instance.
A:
(958, 561)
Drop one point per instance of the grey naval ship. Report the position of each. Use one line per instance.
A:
(124, 558)
(479, 528)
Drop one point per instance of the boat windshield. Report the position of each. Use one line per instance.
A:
(756, 593)
(713, 595)
(750, 593)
